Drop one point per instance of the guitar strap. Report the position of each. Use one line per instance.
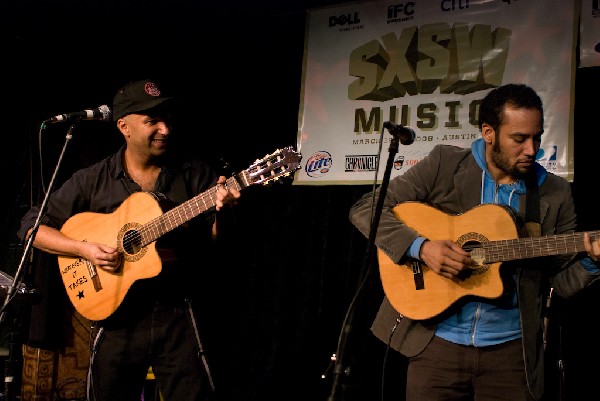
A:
(532, 211)
(534, 229)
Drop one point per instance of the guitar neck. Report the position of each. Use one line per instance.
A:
(270, 168)
(531, 247)
(186, 211)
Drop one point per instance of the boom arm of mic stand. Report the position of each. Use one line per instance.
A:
(339, 367)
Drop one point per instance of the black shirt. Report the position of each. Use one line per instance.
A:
(104, 186)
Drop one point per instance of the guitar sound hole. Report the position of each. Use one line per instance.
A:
(132, 242)
(470, 245)
(474, 247)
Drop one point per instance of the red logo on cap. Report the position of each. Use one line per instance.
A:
(151, 89)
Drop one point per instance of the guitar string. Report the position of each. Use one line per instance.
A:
(154, 226)
(164, 223)
(536, 246)
(242, 181)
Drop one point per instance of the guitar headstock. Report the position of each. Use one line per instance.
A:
(274, 166)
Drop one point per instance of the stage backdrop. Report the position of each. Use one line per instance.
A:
(589, 27)
(427, 65)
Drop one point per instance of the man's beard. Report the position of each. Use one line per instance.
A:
(500, 161)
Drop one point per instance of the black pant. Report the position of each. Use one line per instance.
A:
(165, 338)
(445, 371)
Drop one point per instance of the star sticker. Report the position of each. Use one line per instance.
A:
(80, 294)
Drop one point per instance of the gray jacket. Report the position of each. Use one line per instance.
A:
(447, 179)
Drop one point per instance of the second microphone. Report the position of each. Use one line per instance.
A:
(406, 135)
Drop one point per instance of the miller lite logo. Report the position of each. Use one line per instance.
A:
(318, 164)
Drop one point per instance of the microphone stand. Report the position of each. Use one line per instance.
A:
(340, 368)
(12, 291)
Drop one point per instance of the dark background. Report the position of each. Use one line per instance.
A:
(276, 299)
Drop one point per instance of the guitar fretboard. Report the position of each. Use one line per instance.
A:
(186, 211)
(280, 163)
(531, 247)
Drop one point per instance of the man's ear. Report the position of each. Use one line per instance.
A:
(487, 133)
(122, 126)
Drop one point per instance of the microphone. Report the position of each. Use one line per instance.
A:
(102, 113)
(405, 134)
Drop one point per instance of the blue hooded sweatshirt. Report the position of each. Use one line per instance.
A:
(492, 322)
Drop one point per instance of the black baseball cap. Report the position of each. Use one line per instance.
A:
(138, 96)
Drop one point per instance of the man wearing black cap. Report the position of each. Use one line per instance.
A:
(154, 325)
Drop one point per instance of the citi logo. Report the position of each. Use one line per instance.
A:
(346, 19)
(451, 5)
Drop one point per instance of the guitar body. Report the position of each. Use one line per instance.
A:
(135, 226)
(436, 293)
(94, 292)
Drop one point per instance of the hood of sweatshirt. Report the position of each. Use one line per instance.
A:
(503, 194)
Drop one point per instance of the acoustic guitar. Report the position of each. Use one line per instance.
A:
(488, 232)
(135, 226)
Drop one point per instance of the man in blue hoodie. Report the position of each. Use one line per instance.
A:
(479, 347)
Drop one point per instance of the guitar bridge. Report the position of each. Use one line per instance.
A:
(418, 275)
(93, 275)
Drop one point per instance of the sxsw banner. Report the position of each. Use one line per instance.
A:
(426, 64)
(589, 27)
